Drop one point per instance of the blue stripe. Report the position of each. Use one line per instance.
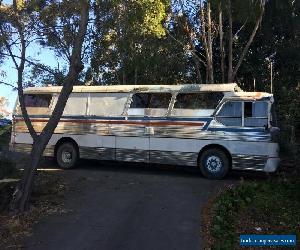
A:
(130, 118)
(245, 130)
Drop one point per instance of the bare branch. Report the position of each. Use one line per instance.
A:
(33, 63)
(8, 84)
(8, 48)
(246, 48)
(183, 45)
(240, 28)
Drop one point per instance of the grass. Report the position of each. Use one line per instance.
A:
(269, 207)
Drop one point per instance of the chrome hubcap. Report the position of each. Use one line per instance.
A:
(66, 156)
(214, 164)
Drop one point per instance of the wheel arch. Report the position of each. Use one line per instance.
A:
(218, 146)
(64, 140)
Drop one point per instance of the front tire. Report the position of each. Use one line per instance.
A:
(67, 155)
(214, 164)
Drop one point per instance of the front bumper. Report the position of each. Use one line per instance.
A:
(272, 164)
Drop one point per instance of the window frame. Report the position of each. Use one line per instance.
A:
(219, 108)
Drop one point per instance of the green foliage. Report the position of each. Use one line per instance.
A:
(5, 135)
(58, 25)
(154, 13)
(42, 75)
(225, 212)
(273, 203)
(131, 45)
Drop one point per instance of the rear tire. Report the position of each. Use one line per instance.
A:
(214, 164)
(67, 155)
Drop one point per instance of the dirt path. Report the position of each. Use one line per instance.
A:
(127, 206)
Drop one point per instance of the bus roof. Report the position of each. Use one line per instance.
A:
(184, 88)
(248, 95)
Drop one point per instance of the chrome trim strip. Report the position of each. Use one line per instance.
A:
(97, 153)
(249, 162)
(174, 158)
(133, 155)
(241, 162)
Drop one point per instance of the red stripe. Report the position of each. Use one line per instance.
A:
(150, 123)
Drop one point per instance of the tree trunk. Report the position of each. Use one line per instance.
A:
(135, 75)
(209, 40)
(197, 68)
(123, 77)
(196, 54)
(230, 72)
(221, 43)
(205, 43)
(23, 191)
(245, 50)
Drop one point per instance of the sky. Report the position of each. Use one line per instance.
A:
(42, 55)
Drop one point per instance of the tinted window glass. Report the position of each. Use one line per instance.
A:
(248, 109)
(38, 100)
(260, 109)
(231, 109)
(159, 100)
(140, 101)
(231, 114)
(256, 114)
(208, 100)
(151, 100)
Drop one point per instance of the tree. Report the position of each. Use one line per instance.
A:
(261, 10)
(132, 47)
(15, 27)
(277, 41)
(205, 20)
(3, 107)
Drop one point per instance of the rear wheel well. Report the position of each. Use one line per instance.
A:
(66, 140)
(211, 146)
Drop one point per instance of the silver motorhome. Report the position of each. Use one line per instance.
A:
(216, 127)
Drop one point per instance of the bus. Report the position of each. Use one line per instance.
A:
(215, 127)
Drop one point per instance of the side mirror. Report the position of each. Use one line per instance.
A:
(274, 130)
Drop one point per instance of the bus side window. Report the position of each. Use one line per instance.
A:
(139, 103)
(76, 105)
(149, 104)
(37, 104)
(196, 104)
(37, 101)
(255, 114)
(159, 100)
(230, 114)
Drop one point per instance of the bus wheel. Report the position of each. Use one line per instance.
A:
(67, 155)
(214, 163)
